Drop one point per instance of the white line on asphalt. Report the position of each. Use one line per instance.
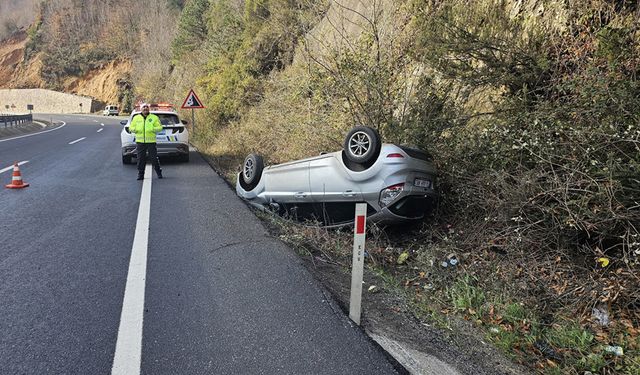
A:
(96, 121)
(99, 130)
(32, 134)
(101, 124)
(11, 167)
(77, 140)
(126, 360)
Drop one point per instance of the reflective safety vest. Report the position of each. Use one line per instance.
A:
(145, 130)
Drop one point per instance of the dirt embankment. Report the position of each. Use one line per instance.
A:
(101, 83)
(13, 72)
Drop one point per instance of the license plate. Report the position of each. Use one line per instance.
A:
(420, 182)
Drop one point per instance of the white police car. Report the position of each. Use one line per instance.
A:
(172, 141)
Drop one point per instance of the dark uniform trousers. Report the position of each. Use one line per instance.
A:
(141, 153)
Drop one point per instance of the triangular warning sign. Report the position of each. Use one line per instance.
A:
(192, 101)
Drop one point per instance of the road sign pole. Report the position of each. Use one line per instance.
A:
(193, 122)
(357, 270)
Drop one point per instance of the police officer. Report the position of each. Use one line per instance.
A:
(144, 126)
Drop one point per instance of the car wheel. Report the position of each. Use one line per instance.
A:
(251, 171)
(126, 159)
(362, 145)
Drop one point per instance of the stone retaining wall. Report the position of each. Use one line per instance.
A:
(44, 101)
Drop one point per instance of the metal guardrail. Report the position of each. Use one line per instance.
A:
(13, 120)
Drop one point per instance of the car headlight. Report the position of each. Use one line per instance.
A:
(389, 194)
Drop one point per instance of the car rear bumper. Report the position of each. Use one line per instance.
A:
(164, 149)
(406, 209)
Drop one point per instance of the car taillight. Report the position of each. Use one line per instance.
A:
(395, 155)
(389, 194)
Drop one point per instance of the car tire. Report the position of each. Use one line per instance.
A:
(126, 159)
(251, 171)
(362, 145)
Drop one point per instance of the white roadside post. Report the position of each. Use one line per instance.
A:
(357, 269)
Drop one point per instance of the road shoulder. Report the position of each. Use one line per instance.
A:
(22, 129)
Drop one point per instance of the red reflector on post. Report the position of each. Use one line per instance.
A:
(360, 225)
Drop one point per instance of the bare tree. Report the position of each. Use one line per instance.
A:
(16, 15)
(356, 46)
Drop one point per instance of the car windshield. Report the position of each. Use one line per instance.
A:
(168, 119)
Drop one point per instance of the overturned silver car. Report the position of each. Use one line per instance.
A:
(396, 182)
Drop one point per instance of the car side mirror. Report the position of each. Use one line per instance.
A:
(123, 122)
(185, 122)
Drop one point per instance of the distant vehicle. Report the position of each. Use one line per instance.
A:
(172, 141)
(396, 182)
(110, 110)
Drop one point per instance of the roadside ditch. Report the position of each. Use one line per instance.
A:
(424, 342)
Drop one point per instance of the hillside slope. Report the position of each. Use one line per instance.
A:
(102, 83)
(93, 49)
(14, 72)
(530, 109)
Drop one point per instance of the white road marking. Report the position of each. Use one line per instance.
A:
(11, 166)
(77, 140)
(99, 130)
(96, 121)
(126, 360)
(101, 124)
(32, 134)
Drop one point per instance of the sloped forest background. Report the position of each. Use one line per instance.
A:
(531, 111)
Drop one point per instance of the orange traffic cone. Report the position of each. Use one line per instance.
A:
(16, 181)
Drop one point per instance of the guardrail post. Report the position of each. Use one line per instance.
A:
(357, 270)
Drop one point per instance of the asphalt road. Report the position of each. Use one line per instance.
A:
(220, 295)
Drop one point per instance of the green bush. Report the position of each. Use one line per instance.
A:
(192, 27)
(551, 153)
(243, 50)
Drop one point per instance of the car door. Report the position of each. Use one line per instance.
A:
(333, 190)
(288, 183)
(330, 181)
